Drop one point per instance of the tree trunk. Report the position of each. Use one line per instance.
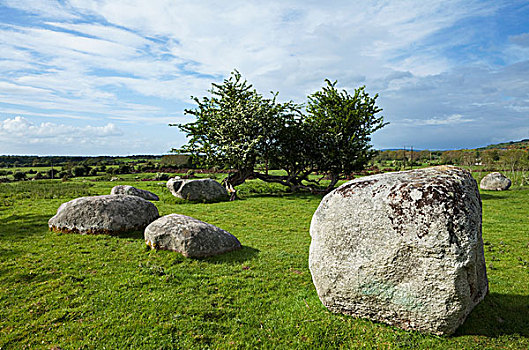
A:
(235, 179)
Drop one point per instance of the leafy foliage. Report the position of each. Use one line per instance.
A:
(237, 128)
(341, 127)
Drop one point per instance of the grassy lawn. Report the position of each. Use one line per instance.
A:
(70, 291)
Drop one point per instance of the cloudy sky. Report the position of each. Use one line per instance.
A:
(81, 77)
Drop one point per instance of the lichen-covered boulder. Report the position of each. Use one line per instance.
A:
(109, 214)
(133, 191)
(495, 182)
(404, 248)
(197, 190)
(190, 237)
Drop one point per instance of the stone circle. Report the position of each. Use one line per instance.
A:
(404, 248)
(133, 191)
(190, 237)
(108, 214)
(197, 190)
(495, 182)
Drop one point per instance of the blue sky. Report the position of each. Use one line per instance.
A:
(84, 77)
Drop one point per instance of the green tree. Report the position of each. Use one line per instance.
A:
(237, 128)
(78, 171)
(342, 125)
(19, 175)
(234, 128)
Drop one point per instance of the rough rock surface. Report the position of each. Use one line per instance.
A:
(197, 190)
(495, 182)
(133, 191)
(109, 214)
(190, 237)
(403, 248)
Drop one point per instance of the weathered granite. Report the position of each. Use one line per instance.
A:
(108, 214)
(495, 182)
(133, 191)
(197, 190)
(404, 248)
(190, 237)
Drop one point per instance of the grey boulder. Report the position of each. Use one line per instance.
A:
(197, 190)
(108, 214)
(495, 182)
(404, 248)
(133, 191)
(190, 237)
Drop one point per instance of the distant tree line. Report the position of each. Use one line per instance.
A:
(513, 161)
(46, 161)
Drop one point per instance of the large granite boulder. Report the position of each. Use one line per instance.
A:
(133, 191)
(109, 214)
(404, 248)
(190, 237)
(495, 182)
(197, 190)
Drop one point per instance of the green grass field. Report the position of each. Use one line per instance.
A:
(92, 292)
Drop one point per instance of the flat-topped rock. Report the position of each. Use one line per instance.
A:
(495, 182)
(404, 248)
(133, 191)
(190, 237)
(197, 190)
(108, 214)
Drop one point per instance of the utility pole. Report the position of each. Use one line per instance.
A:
(411, 157)
(403, 157)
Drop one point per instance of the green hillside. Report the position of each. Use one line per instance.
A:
(523, 144)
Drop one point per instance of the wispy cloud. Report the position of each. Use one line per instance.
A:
(19, 127)
(448, 120)
(136, 63)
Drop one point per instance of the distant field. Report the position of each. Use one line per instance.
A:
(70, 291)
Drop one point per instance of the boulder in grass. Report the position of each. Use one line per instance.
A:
(190, 237)
(133, 191)
(197, 190)
(495, 182)
(108, 214)
(404, 248)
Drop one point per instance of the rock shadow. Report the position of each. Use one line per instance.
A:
(497, 315)
(487, 196)
(237, 256)
(15, 227)
(130, 235)
(282, 195)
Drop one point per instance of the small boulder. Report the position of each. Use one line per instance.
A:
(133, 191)
(495, 182)
(197, 190)
(404, 248)
(109, 214)
(190, 237)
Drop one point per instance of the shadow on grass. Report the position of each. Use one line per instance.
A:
(130, 235)
(237, 256)
(21, 226)
(488, 196)
(498, 314)
(283, 195)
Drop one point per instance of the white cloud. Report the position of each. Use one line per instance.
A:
(447, 120)
(21, 128)
(138, 63)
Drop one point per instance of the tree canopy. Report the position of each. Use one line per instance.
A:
(237, 128)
